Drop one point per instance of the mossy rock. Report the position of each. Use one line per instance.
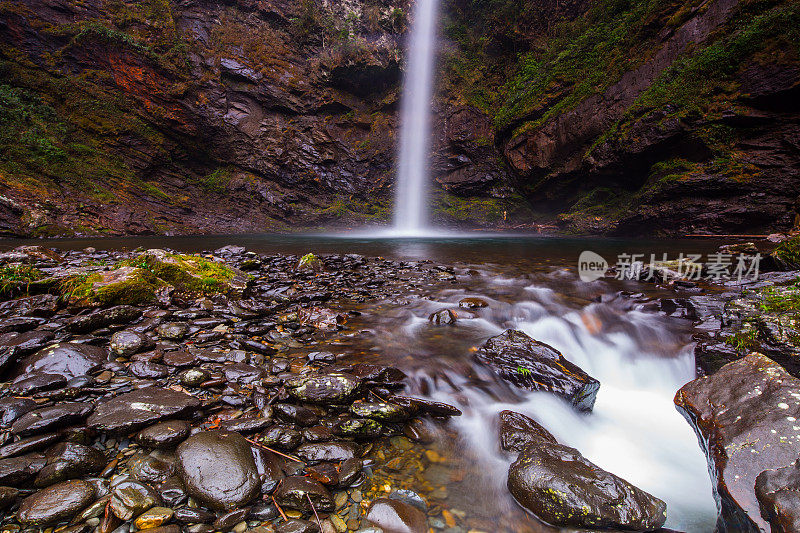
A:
(152, 276)
(310, 262)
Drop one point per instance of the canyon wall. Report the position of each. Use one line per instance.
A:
(587, 116)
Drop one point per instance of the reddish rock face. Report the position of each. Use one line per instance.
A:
(746, 419)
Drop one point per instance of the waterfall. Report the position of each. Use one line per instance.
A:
(410, 210)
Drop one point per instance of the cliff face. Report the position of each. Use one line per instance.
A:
(656, 117)
(611, 116)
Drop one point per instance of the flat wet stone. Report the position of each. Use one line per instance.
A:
(48, 418)
(55, 503)
(533, 365)
(296, 525)
(13, 408)
(8, 495)
(120, 314)
(381, 411)
(295, 491)
(218, 469)
(134, 410)
(131, 499)
(164, 434)
(324, 388)
(17, 470)
(174, 331)
(397, 516)
(148, 370)
(127, 343)
(37, 383)
(29, 444)
(69, 460)
(179, 358)
(328, 451)
(66, 359)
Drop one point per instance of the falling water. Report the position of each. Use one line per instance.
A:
(412, 178)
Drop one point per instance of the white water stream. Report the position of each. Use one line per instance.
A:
(639, 357)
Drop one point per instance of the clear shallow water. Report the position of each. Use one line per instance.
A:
(640, 358)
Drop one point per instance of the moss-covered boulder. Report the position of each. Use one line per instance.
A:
(152, 276)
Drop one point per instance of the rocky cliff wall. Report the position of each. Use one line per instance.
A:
(594, 116)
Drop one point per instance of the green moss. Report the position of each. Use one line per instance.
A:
(789, 250)
(149, 272)
(352, 208)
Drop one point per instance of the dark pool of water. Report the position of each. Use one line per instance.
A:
(510, 250)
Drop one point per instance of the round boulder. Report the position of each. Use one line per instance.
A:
(218, 469)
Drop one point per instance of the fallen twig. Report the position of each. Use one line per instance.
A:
(251, 441)
(283, 515)
(315, 511)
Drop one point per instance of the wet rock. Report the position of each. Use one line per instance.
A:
(13, 408)
(776, 491)
(359, 428)
(150, 469)
(230, 519)
(148, 370)
(188, 515)
(48, 418)
(412, 405)
(410, 497)
(17, 470)
(121, 314)
(37, 383)
(172, 492)
(281, 437)
(248, 424)
(534, 365)
(295, 491)
(562, 488)
(67, 359)
(153, 517)
(295, 525)
(127, 343)
(69, 460)
(328, 451)
(29, 444)
(321, 357)
(8, 495)
(324, 388)
(518, 430)
(55, 503)
(473, 303)
(173, 331)
(381, 411)
(131, 499)
(243, 373)
(295, 413)
(179, 358)
(164, 434)
(350, 472)
(397, 516)
(218, 469)
(193, 377)
(325, 473)
(134, 410)
(443, 317)
(747, 415)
